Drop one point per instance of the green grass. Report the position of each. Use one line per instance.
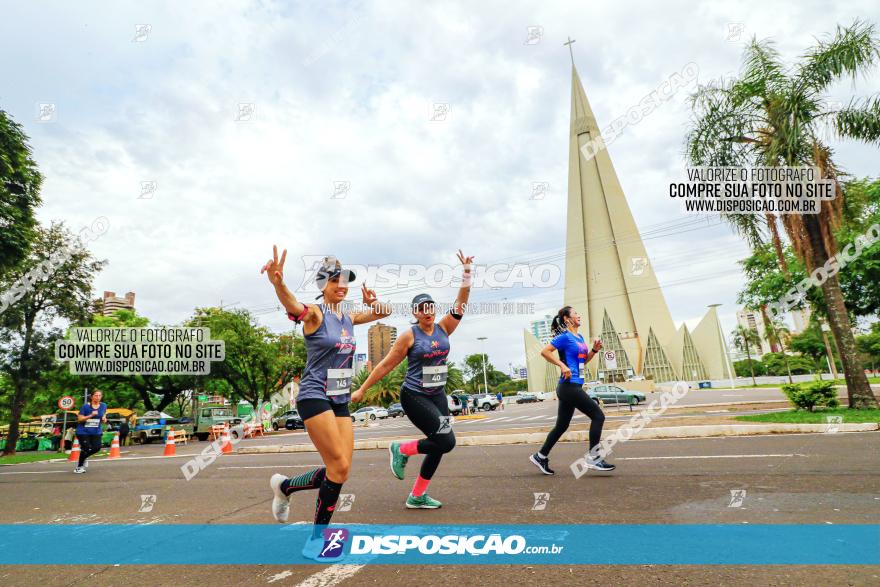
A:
(817, 417)
(30, 457)
(780, 384)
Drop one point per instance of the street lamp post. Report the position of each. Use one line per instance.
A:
(485, 384)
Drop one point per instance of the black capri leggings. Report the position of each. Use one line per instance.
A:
(89, 444)
(426, 412)
(572, 396)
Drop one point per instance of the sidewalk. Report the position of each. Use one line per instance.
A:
(670, 428)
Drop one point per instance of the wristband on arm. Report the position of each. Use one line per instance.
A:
(299, 318)
(467, 276)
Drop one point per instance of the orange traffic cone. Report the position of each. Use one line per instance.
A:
(114, 448)
(74, 452)
(226, 447)
(170, 451)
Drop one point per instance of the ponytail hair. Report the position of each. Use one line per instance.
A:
(558, 325)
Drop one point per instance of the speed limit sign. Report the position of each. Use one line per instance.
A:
(610, 360)
(66, 402)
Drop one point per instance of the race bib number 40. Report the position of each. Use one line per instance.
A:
(434, 376)
(339, 381)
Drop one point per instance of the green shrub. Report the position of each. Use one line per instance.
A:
(742, 368)
(806, 396)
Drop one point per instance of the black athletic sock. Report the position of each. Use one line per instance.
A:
(309, 480)
(328, 494)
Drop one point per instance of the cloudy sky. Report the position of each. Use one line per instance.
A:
(349, 92)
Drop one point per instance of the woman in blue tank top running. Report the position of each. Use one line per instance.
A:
(568, 350)
(423, 395)
(325, 386)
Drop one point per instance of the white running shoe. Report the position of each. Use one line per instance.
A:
(79, 470)
(280, 502)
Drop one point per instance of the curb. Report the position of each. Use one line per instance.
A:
(705, 431)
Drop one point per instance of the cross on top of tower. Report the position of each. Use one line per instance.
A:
(570, 52)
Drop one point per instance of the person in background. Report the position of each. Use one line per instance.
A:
(569, 351)
(500, 398)
(89, 428)
(124, 429)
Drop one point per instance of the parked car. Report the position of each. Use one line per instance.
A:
(616, 395)
(454, 404)
(486, 401)
(395, 410)
(289, 420)
(526, 398)
(369, 412)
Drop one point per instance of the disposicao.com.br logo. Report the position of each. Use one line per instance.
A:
(475, 545)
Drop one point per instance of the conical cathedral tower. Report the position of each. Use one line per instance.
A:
(609, 279)
(608, 276)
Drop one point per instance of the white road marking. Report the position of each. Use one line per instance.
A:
(709, 457)
(535, 418)
(332, 575)
(36, 472)
(274, 467)
(279, 576)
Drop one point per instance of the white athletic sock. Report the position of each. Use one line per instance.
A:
(542, 456)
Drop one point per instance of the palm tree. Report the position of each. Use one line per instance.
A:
(454, 377)
(779, 334)
(386, 391)
(773, 115)
(743, 339)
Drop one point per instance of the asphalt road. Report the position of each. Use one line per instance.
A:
(819, 478)
(513, 417)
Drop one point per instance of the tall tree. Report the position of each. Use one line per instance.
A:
(869, 345)
(20, 182)
(27, 331)
(744, 339)
(155, 392)
(774, 115)
(473, 370)
(258, 363)
(778, 334)
(810, 343)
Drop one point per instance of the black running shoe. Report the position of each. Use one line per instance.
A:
(600, 465)
(542, 463)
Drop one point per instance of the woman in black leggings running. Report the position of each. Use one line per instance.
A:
(568, 351)
(422, 396)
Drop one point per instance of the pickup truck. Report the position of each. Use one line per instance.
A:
(153, 425)
(207, 415)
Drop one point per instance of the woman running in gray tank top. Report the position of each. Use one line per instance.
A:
(423, 395)
(325, 386)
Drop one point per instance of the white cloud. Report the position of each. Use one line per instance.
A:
(345, 93)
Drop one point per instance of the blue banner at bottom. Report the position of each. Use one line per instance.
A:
(628, 544)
